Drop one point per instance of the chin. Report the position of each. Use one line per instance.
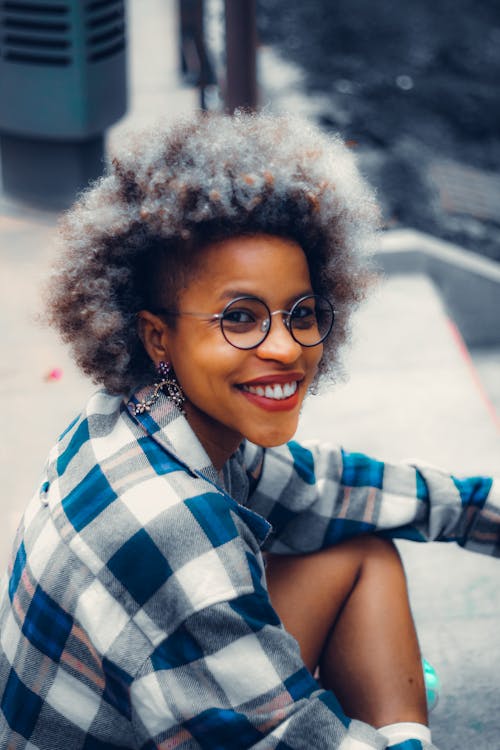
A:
(272, 438)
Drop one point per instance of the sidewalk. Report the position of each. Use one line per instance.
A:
(413, 393)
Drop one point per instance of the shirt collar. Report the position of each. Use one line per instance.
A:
(166, 424)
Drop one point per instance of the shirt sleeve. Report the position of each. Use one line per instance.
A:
(231, 676)
(316, 495)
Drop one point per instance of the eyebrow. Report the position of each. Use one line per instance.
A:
(230, 294)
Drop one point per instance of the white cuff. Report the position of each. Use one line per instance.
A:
(407, 730)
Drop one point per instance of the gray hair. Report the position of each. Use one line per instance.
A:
(173, 190)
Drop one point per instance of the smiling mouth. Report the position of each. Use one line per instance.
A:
(274, 391)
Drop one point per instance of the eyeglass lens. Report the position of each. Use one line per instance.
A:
(246, 321)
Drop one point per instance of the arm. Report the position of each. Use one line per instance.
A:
(316, 495)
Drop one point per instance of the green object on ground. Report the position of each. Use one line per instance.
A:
(432, 684)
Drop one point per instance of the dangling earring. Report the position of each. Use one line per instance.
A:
(171, 387)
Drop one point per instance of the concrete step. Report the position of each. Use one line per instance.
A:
(487, 363)
(413, 393)
(412, 389)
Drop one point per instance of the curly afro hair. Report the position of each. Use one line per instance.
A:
(174, 190)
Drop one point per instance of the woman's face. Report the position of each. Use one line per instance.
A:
(220, 381)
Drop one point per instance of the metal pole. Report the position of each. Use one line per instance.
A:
(241, 43)
(195, 63)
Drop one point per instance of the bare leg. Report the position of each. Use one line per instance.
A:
(348, 608)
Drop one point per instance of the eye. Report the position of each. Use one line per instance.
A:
(239, 318)
(304, 316)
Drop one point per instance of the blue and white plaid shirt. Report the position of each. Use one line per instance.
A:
(135, 613)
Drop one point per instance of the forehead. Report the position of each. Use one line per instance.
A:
(258, 264)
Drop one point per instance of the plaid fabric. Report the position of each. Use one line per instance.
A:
(316, 495)
(135, 612)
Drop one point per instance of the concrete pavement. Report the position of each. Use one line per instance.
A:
(413, 392)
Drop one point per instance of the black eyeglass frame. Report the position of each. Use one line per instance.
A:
(287, 316)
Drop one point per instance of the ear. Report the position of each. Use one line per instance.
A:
(154, 334)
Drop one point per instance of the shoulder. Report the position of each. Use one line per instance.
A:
(154, 534)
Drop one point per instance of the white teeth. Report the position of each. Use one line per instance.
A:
(275, 391)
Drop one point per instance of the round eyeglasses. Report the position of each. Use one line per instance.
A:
(245, 322)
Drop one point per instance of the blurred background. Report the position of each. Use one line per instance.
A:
(413, 88)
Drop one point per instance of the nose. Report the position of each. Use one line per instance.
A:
(279, 343)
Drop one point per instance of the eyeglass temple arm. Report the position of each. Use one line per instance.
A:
(207, 316)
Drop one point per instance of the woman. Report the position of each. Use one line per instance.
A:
(185, 569)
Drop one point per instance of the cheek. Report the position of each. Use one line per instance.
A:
(205, 362)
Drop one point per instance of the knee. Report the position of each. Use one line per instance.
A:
(375, 552)
(379, 547)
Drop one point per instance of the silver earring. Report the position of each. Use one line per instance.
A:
(172, 386)
(169, 384)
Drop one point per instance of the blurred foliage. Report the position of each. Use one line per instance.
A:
(410, 83)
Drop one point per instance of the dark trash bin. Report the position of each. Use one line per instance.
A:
(62, 83)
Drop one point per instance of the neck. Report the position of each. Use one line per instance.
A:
(219, 442)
